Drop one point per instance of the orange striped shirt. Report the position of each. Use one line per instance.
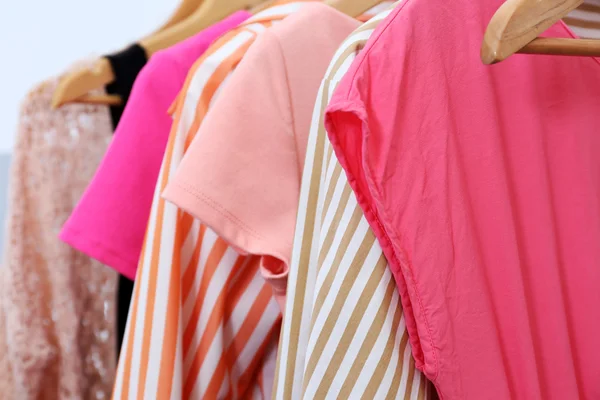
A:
(203, 322)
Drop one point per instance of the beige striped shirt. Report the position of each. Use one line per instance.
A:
(585, 20)
(344, 334)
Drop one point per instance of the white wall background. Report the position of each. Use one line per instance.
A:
(40, 38)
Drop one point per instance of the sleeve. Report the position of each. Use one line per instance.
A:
(109, 222)
(240, 175)
(371, 122)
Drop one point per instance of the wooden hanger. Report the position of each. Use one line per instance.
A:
(261, 7)
(185, 9)
(209, 12)
(76, 86)
(353, 8)
(516, 25)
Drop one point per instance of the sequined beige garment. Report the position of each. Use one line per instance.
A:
(57, 318)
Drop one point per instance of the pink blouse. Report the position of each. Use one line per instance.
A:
(482, 184)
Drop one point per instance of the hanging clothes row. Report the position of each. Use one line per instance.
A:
(312, 204)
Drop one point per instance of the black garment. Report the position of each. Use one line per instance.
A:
(126, 66)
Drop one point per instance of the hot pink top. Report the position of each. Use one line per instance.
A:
(482, 184)
(109, 222)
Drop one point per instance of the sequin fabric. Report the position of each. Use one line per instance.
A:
(57, 317)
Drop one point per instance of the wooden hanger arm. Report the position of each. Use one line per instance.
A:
(518, 22)
(100, 99)
(353, 8)
(81, 82)
(210, 12)
(563, 47)
(183, 11)
(261, 7)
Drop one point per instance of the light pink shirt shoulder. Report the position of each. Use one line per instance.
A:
(109, 222)
(241, 174)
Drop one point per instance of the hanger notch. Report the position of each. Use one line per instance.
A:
(516, 25)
